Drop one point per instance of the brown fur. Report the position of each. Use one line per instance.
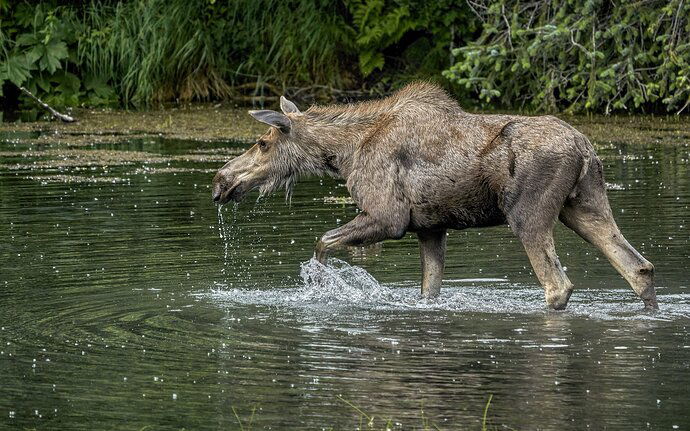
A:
(416, 162)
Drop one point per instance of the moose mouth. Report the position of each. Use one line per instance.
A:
(225, 195)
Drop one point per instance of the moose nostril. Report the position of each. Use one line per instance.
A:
(217, 192)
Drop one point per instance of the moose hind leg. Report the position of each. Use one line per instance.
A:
(595, 224)
(532, 202)
(542, 255)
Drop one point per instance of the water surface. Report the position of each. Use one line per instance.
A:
(129, 301)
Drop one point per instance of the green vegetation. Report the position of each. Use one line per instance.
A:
(429, 27)
(577, 55)
(38, 51)
(145, 51)
(580, 55)
(370, 422)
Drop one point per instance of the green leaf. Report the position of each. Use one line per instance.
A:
(17, 70)
(35, 54)
(99, 87)
(27, 39)
(369, 61)
(42, 83)
(54, 52)
(68, 83)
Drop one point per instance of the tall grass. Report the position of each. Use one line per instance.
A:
(152, 50)
(156, 50)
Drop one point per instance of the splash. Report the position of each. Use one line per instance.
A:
(334, 290)
(339, 282)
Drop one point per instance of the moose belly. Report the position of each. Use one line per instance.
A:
(456, 212)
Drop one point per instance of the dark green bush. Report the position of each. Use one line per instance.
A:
(159, 50)
(574, 55)
(199, 49)
(382, 25)
(579, 55)
(141, 51)
(38, 45)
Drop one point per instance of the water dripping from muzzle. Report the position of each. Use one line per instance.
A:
(244, 244)
(228, 236)
(257, 214)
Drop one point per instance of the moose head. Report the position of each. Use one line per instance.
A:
(286, 151)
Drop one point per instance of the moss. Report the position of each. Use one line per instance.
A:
(338, 200)
(635, 130)
(216, 123)
(201, 122)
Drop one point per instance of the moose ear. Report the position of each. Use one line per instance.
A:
(288, 107)
(273, 118)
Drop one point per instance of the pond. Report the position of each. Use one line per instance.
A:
(129, 301)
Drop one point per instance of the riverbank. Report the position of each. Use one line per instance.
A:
(202, 122)
(213, 123)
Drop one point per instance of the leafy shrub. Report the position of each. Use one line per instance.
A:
(382, 25)
(159, 50)
(574, 55)
(39, 52)
(141, 51)
(579, 55)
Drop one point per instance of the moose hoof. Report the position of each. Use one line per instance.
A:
(648, 296)
(321, 252)
(431, 294)
(650, 304)
(558, 300)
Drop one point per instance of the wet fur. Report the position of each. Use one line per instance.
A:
(416, 162)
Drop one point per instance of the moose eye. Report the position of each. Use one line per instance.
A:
(263, 145)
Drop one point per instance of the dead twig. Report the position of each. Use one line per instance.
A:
(503, 14)
(572, 40)
(65, 118)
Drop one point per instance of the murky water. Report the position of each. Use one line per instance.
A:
(128, 301)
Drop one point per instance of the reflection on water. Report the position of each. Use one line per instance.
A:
(127, 304)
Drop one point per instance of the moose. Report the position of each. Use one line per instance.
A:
(416, 162)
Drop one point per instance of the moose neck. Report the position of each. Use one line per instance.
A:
(337, 131)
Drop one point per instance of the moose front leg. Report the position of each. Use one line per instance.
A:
(362, 230)
(432, 250)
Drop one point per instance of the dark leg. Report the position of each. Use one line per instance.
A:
(432, 249)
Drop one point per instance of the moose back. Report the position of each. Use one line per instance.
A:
(416, 162)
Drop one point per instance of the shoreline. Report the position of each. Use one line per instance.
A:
(219, 123)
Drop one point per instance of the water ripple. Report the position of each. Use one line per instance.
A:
(340, 286)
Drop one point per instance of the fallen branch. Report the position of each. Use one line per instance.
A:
(56, 114)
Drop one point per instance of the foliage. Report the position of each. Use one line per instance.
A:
(579, 55)
(38, 46)
(198, 49)
(381, 26)
(574, 55)
(157, 50)
(146, 51)
(149, 55)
